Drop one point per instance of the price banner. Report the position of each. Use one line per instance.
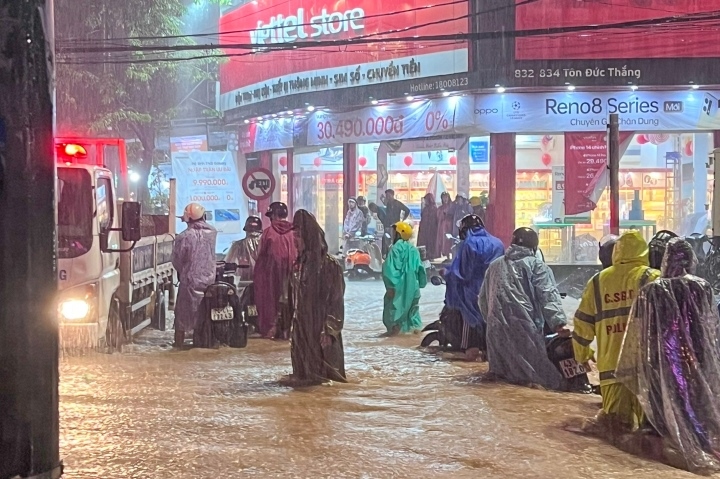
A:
(211, 179)
(415, 119)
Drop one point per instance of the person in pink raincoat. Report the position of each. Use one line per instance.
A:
(272, 274)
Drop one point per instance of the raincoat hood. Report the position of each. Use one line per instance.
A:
(282, 226)
(631, 248)
(515, 252)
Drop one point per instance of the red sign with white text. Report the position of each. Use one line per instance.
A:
(692, 39)
(586, 172)
(261, 75)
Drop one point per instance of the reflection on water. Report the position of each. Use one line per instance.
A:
(154, 413)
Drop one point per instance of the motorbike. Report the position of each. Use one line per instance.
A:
(447, 331)
(226, 311)
(364, 259)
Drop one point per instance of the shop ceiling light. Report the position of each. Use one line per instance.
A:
(694, 86)
(311, 108)
(274, 115)
(259, 118)
(501, 89)
(571, 87)
(633, 87)
(289, 112)
(374, 102)
(446, 93)
(409, 98)
(246, 122)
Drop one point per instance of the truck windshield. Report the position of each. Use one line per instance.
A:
(75, 212)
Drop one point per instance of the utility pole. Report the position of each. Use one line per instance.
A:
(614, 166)
(29, 432)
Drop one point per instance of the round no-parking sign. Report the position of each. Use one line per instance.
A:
(259, 184)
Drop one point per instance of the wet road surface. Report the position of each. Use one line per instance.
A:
(155, 413)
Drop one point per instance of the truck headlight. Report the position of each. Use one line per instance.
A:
(74, 309)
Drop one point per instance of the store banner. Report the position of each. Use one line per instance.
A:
(266, 135)
(418, 119)
(586, 172)
(589, 111)
(271, 72)
(211, 179)
(524, 113)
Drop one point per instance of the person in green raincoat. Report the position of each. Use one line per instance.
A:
(403, 275)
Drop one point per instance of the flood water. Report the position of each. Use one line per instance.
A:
(155, 413)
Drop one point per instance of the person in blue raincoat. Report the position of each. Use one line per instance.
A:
(518, 298)
(193, 258)
(404, 275)
(464, 278)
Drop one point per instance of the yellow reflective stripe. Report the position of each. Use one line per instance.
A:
(587, 318)
(581, 341)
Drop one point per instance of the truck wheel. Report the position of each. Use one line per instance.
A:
(160, 311)
(115, 333)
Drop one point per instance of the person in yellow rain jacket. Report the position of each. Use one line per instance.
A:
(603, 315)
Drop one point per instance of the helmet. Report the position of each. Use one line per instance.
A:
(403, 230)
(193, 212)
(657, 246)
(469, 222)
(527, 237)
(277, 209)
(253, 224)
(607, 245)
(475, 201)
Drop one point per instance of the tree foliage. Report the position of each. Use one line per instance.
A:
(105, 93)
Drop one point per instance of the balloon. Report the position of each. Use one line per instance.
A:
(659, 139)
(689, 148)
(642, 139)
(317, 162)
(362, 161)
(546, 159)
(408, 160)
(283, 161)
(453, 160)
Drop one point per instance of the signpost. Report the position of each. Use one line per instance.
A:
(258, 184)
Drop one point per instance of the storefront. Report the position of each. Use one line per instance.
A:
(553, 144)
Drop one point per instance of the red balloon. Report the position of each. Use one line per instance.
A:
(317, 162)
(546, 159)
(283, 161)
(362, 161)
(453, 160)
(642, 139)
(689, 148)
(408, 160)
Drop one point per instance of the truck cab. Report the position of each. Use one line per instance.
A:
(112, 281)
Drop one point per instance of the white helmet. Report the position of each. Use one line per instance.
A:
(193, 212)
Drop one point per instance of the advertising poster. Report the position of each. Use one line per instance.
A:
(211, 179)
(599, 42)
(537, 113)
(271, 73)
(586, 172)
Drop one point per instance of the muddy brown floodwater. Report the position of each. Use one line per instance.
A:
(154, 413)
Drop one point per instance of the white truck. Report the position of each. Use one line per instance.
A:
(114, 265)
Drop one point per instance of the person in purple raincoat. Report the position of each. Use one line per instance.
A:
(193, 258)
(272, 274)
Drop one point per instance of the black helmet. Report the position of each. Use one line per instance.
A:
(278, 210)
(361, 201)
(253, 224)
(607, 245)
(469, 222)
(526, 237)
(657, 246)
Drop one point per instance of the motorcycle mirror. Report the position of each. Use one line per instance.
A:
(449, 236)
(436, 280)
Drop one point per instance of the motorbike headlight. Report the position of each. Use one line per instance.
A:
(74, 309)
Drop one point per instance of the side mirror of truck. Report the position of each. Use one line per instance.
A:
(131, 215)
(130, 228)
